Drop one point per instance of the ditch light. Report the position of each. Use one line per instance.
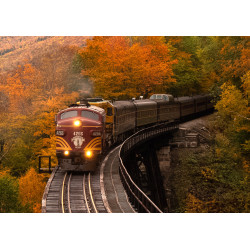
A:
(88, 154)
(66, 152)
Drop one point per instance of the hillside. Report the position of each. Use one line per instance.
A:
(15, 50)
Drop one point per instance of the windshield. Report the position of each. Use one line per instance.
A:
(90, 115)
(69, 114)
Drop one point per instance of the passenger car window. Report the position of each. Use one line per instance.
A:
(68, 114)
(90, 115)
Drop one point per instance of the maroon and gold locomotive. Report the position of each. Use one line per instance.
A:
(79, 133)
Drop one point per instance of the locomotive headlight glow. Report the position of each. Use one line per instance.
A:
(77, 123)
(88, 154)
(66, 152)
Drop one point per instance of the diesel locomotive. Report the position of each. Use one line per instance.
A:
(85, 129)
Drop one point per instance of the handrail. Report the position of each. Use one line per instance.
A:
(138, 198)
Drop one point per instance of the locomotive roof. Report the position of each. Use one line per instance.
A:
(91, 107)
(95, 99)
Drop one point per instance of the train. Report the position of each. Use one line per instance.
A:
(86, 129)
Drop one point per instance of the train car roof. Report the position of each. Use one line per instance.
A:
(144, 102)
(119, 104)
(184, 98)
(199, 96)
(161, 101)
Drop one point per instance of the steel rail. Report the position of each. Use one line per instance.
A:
(69, 181)
(62, 201)
(84, 193)
(91, 195)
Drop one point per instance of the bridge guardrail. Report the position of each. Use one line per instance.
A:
(138, 198)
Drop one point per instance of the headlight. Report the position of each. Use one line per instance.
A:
(88, 154)
(77, 123)
(66, 152)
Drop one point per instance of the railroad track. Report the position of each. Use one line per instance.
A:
(75, 193)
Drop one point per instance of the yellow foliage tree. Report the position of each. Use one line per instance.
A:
(233, 106)
(246, 85)
(234, 110)
(195, 205)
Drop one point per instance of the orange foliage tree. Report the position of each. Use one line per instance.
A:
(27, 118)
(54, 67)
(124, 67)
(31, 188)
(22, 87)
(21, 90)
(43, 127)
(30, 96)
(235, 55)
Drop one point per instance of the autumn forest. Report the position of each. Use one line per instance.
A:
(41, 75)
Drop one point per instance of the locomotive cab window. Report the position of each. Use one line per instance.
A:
(69, 114)
(90, 115)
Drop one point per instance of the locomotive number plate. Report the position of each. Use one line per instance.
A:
(60, 132)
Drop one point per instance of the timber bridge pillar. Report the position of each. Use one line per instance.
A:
(143, 165)
(154, 177)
